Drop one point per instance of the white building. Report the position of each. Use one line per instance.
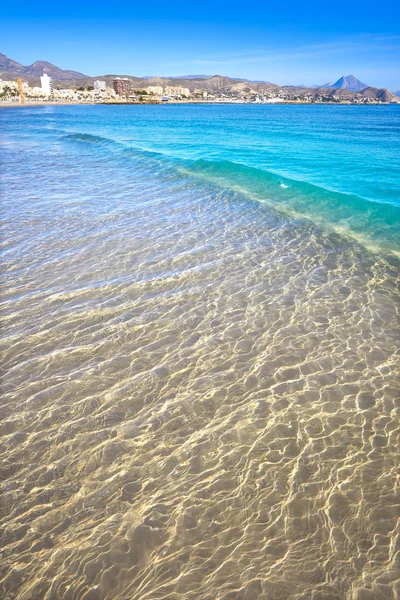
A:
(100, 85)
(158, 90)
(177, 91)
(184, 92)
(13, 85)
(47, 84)
(8, 84)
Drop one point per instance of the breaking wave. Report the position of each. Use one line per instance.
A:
(373, 224)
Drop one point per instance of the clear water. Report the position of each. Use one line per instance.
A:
(200, 318)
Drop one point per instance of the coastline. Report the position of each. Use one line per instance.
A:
(202, 102)
(8, 104)
(30, 104)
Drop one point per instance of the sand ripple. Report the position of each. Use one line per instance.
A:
(200, 401)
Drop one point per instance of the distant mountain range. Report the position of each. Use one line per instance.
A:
(13, 69)
(194, 76)
(344, 88)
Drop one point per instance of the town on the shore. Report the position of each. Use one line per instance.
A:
(112, 89)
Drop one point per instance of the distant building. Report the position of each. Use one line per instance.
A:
(9, 89)
(100, 85)
(11, 84)
(66, 93)
(158, 90)
(184, 92)
(47, 84)
(177, 91)
(123, 86)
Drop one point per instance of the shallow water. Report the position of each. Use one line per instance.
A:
(200, 385)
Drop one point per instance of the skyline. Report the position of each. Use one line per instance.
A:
(297, 45)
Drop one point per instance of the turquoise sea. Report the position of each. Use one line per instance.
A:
(200, 374)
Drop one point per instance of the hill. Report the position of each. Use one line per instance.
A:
(10, 69)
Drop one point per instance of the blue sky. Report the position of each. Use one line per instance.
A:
(286, 42)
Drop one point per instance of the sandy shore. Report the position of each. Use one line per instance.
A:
(197, 101)
(19, 105)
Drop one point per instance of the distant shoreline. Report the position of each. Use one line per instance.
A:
(174, 102)
(30, 104)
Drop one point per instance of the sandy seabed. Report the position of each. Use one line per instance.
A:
(200, 398)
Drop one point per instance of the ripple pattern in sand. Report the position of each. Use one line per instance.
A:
(200, 401)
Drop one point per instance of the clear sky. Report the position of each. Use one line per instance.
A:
(286, 42)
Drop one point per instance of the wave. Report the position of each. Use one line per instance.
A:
(89, 138)
(111, 144)
(374, 224)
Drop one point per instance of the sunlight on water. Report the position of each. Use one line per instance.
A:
(200, 394)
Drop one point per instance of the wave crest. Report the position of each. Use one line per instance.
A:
(374, 224)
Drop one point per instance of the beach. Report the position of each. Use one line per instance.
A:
(31, 103)
(200, 367)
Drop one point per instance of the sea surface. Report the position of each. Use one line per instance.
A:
(200, 352)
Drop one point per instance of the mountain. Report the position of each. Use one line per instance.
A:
(209, 77)
(382, 94)
(348, 83)
(7, 64)
(213, 84)
(37, 68)
(193, 76)
(10, 69)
